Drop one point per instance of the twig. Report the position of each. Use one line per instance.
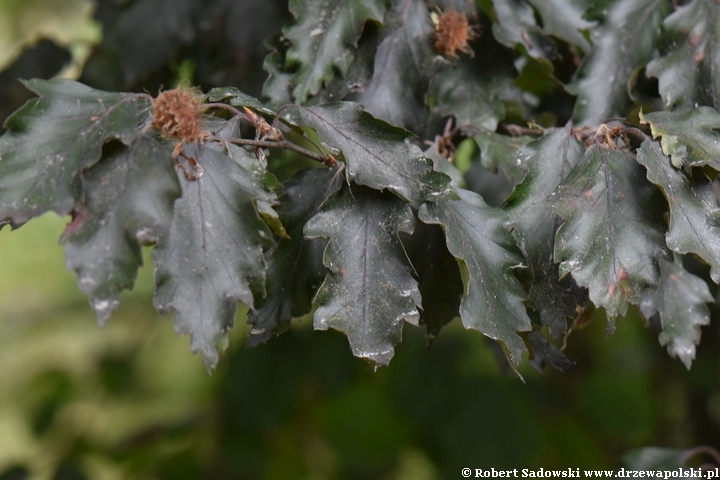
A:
(328, 160)
(230, 108)
(277, 119)
(518, 131)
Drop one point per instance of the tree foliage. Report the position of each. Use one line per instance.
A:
(599, 118)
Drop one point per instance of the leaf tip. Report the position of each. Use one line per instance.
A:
(257, 335)
(103, 308)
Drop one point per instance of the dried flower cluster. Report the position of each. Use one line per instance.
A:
(176, 115)
(453, 32)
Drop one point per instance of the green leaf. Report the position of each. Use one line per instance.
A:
(694, 214)
(689, 72)
(324, 39)
(623, 41)
(681, 300)
(128, 203)
(403, 67)
(516, 26)
(493, 298)
(377, 154)
(295, 267)
(564, 19)
(690, 138)
(533, 224)
(458, 92)
(52, 139)
(613, 235)
(213, 255)
(370, 288)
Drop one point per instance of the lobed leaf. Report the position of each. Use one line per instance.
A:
(294, 266)
(681, 300)
(438, 275)
(370, 289)
(441, 164)
(277, 84)
(690, 138)
(212, 256)
(564, 19)
(52, 139)
(403, 67)
(694, 214)
(377, 154)
(545, 353)
(492, 301)
(128, 203)
(324, 39)
(236, 98)
(689, 72)
(503, 152)
(533, 224)
(624, 40)
(516, 25)
(353, 82)
(612, 237)
(459, 93)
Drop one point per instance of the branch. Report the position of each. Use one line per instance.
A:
(328, 159)
(227, 107)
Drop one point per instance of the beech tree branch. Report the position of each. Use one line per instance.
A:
(328, 159)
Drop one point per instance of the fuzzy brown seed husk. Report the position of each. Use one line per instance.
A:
(453, 33)
(176, 115)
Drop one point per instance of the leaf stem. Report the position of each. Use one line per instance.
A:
(230, 108)
(328, 159)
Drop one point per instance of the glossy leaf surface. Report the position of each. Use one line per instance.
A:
(370, 289)
(694, 214)
(295, 266)
(613, 235)
(493, 298)
(324, 39)
(689, 138)
(377, 154)
(52, 139)
(402, 68)
(533, 224)
(129, 203)
(681, 300)
(689, 72)
(564, 19)
(623, 40)
(212, 258)
(516, 26)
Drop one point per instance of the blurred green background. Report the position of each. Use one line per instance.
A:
(130, 400)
